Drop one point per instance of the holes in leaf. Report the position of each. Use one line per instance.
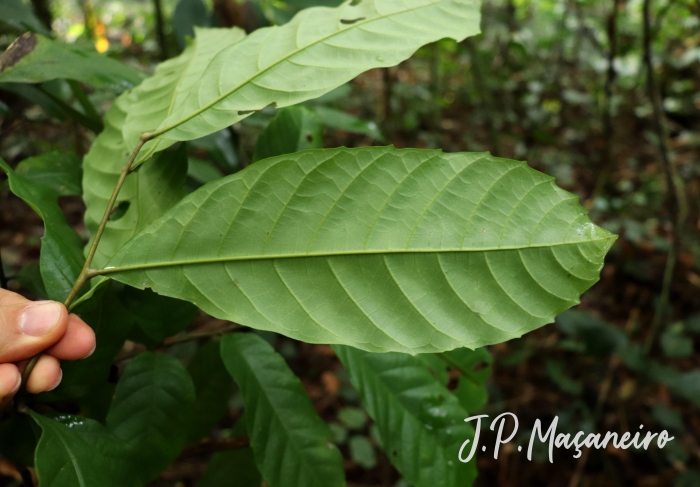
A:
(355, 3)
(245, 112)
(119, 211)
(351, 21)
(309, 138)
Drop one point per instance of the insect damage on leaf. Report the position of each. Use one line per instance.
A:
(22, 46)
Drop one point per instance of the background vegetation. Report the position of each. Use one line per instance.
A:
(579, 89)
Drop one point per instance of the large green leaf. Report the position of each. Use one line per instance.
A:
(384, 249)
(149, 410)
(319, 50)
(20, 16)
(291, 443)
(421, 424)
(148, 192)
(64, 459)
(213, 388)
(33, 58)
(293, 129)
(61, 258)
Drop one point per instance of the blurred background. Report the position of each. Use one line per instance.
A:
(602, 95)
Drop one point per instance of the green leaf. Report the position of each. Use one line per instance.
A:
(20, 16)
(60, 171)
(362, 451)
(187, 15)
(339, 120)
(319, 50)
(421, 425)
(29, 277)
(353, 418)
(292, 444)
(213, 387)
(235, 464)
(475, 366)
(33, 58)
(158, 317)
(155, 99)
(149, 411)
(293, 129)
(61, 258)
(357, 243)
(64, 459)
(115, 452)
(148, 192)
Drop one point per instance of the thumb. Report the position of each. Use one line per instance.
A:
(27, 328)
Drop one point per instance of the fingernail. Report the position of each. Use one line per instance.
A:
(40, 318)
(17, 385)
(91, 351)
(60, 378)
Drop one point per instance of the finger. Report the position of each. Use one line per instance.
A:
(10, 380)
(78, 341)
(27, 328)
(46, 376)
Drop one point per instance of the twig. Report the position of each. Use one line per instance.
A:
(676, 201)
(160, 29)
(211, 446)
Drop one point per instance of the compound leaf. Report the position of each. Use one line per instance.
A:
(291, 443)
(420, 423)
(387, 250)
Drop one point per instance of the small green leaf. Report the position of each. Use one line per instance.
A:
(60, 171)
(64, 459)
(213, 388)
(356, 243)
(420, 423)
(353, 418)
(292, 445)
(151, 403)
(675, 344)
(475, 366)
(339, 120)
(226, 466)
(293, 129)
(362, 452)
(33, 58)
(558, 375)
(600, 338)
(61, 257)
(187, 15)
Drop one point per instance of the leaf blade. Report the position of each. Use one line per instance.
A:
(358, 242)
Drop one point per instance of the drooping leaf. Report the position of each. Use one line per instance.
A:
(19, 16)
(64, 459)
(115, 452)
(292, 445)
(319, 50)
(157, 317)
(421, 425)
(339, 120)
(148, 192)
(293, 129)
(149, 410)
(33, 58)
(61, 257)
(475, 366)
(213, 387)
(387, 250)
(60, 171)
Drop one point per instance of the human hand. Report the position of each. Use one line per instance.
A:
(31, 327)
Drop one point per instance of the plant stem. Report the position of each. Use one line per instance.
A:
(160, 29)
(676, 200)
(86, 273)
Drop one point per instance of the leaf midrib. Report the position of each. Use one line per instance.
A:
(239, 258)
(206, 107)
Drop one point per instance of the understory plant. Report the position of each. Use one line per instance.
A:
(406, 261)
